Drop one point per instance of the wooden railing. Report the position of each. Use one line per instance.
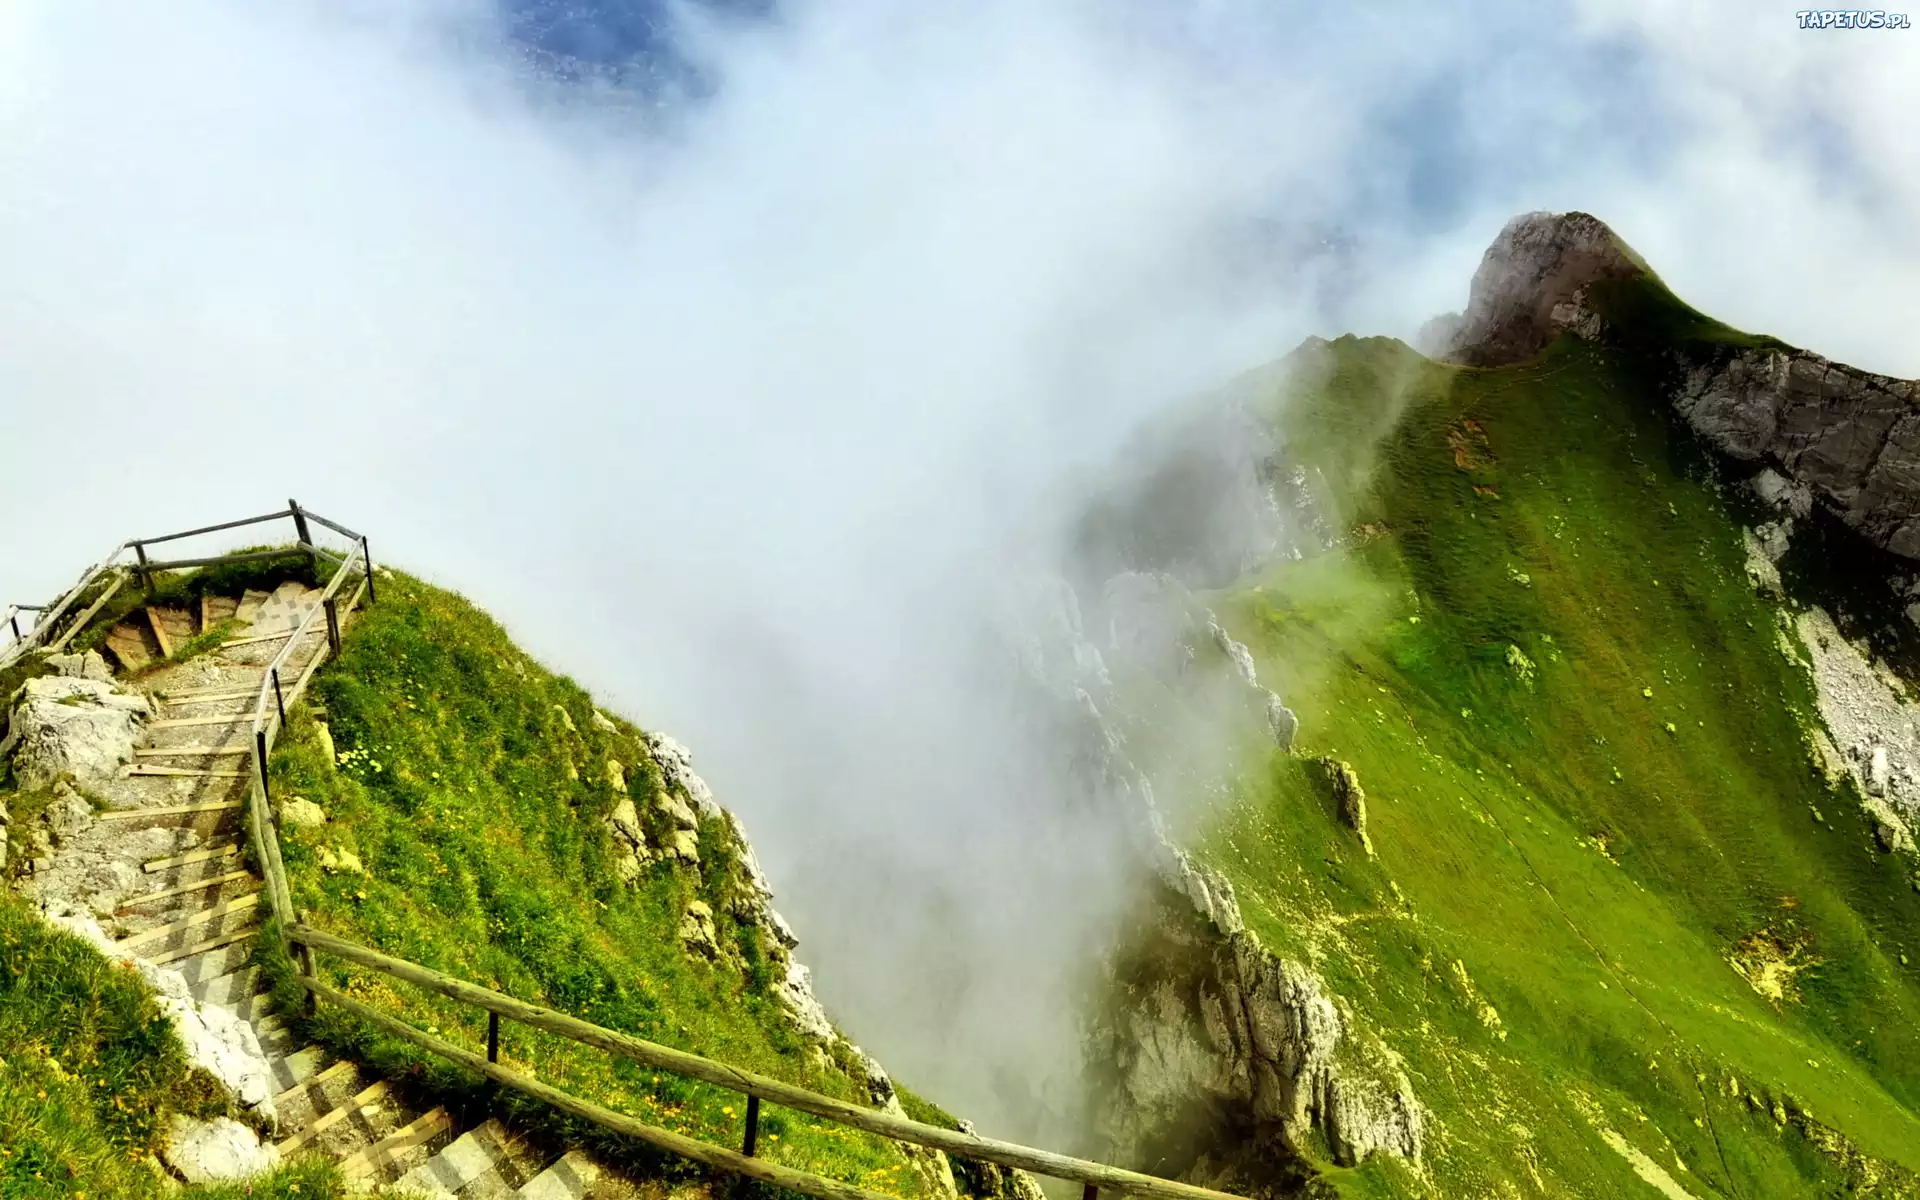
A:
(59, 620)
(301, 941)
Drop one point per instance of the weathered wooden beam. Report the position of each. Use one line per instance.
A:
(1007, 1154)
(187, 533)
(174, 564)
(804, 1182)
(80, 622)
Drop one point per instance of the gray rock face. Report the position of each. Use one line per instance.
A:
(88, 665)
(1825, 432)
(82, 727)
(1238, 1029)
(1532, 284)
(1844, 437)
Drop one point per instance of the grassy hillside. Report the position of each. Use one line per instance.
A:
(1595, 813)
(90, 1070)
(468, 793)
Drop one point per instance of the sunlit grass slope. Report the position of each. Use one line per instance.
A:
(90, 1072)
(1590, 792)
(468, 830)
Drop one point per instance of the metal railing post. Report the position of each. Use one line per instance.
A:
(146, 577)
(366, 562)
(260, 766)
(753, 1126)
(13, 619)
(493, 1037)
(279, 700)
(333, 624)
(1090, 1191)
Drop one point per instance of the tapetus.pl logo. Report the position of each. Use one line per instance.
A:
(1852, 18)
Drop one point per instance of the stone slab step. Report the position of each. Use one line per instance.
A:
(217, 961)
(570, 1178)
(368, 1099)
(186, 889)
(225, 687)
(187, 722)
(469, 1156)
(186, 698)
(191, 772)
(383, 1154)
(321, 1079)
(220, 850)
(227, 938)
(217, 912)
(291, 1070)
(167, 810)
(228, 990)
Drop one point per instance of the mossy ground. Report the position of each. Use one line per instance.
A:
(90, 1069)
(472, 786)
(1587, 780)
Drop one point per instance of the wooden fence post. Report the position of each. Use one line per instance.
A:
(333, 623)
(493, 1037)
(753, 1126)
(366, 561)
(146, 577)
(279, 700)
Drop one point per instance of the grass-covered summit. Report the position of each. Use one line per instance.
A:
(1625, 935)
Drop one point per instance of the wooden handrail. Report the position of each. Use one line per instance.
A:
(263, 833)
(711, 1155)
(693, 1066)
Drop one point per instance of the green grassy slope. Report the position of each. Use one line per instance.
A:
(90, 1070)
(1590, 793)
(470, 784)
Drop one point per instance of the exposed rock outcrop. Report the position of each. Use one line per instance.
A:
(1824, 432)
(1224, 1040)
(1532, 285)
(1872, 729)
(212, 1151)
(1350, 799)
(63, 725)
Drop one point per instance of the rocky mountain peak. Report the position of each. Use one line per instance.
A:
(1531, 285)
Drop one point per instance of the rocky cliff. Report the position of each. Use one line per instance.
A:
(1849, 437)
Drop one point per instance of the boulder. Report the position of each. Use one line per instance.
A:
(87, 665)
(616, 775)
(301, 813)
(211, 1151)
(684, 845)
(603, 723)
(79, 727)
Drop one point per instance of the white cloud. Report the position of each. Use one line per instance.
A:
(744, 420)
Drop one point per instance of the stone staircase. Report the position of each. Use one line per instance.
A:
(195, 907)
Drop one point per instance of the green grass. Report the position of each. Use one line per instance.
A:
(471, 784)
(1587, 780)
(90, 1069)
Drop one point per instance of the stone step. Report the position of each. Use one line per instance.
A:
(168, 810)
(291, 1070)
(250, 602)
(360, 1105)
(338, 1070)
(229, 990)
(571, 1178)
(225, 849)
(199, 885)
(184, 772)
(215, 915)
(218, 961)
(172, 699)
(229, 937)
(187, 722)
(390, 1152)
(474, 1153)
